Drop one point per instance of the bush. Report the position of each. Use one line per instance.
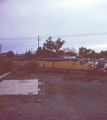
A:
(7, 66)
(31, 67)
(14, 72)
(50, 55)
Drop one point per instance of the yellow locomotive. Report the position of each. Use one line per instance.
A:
(20, 63)
(62, 64)
(70, 65)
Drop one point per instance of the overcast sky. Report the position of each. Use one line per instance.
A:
(57, 18)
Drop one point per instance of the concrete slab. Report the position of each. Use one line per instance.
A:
(19, 87)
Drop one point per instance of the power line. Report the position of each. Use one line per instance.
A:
(21, 38)
(56, 36)
(0, 49)
(76, 35)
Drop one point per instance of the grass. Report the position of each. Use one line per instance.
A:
(50, 91)
(85, 78)
(2, 104)
(69, 77)
(57, 88)
(21, 74)
(14, 72)
(66, 88)
(102, 81)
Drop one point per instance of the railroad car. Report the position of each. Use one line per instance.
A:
(19, 63)
(72, 65)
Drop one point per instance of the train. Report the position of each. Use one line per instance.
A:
(72, 65)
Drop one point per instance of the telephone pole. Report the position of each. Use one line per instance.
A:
(38, 41)
(0, 61)
(0, 49)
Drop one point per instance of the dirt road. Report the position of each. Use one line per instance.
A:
(62, 97)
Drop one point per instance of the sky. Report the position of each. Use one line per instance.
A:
(81, 23)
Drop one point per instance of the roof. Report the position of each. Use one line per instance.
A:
(57, 59)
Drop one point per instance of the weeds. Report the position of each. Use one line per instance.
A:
(31, 67)
(14, 72)
(65, 87)
(7, 66)
(3, 104)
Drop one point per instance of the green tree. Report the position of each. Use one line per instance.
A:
(53, 46)
(102, 54)
(82, 51)
(44, 53)
(10, 54)
(39, 52)
(50, 54)
(28, 55)
(60, 52)
(105, 53)
(87, 53)
(93, 54)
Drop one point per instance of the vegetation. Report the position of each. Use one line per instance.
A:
(31, 67)
(89, 53)
(7, 66)
(10, 54)
(51, 49)
(28, 55)
(44, 53)
(67, 49)
(53, 46)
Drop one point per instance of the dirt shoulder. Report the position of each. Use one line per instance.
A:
(62, 97)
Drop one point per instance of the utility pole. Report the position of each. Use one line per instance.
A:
(0, 49)
(0, 61)
(38, 41)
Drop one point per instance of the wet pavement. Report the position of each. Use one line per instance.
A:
(19, 87)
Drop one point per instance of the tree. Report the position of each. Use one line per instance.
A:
(93, 54)
(53, 46)
(44, 53)
(50, 54)
(82, 51)
(88, 53)
(67, 49)
(39, 52)
(105, 53)
(28, 55)
(58, 44)
(10, 54)
(60, 52)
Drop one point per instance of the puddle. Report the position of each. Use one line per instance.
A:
(19, 87)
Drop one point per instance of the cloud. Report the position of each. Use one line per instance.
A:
(98, 47)
(104, 46)
(30, 18)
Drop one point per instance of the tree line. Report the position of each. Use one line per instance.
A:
(51, 49)
(89, 53)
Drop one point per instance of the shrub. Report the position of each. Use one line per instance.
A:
(14, 72)
(50, 55)
(31, 67)
(7, 66)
